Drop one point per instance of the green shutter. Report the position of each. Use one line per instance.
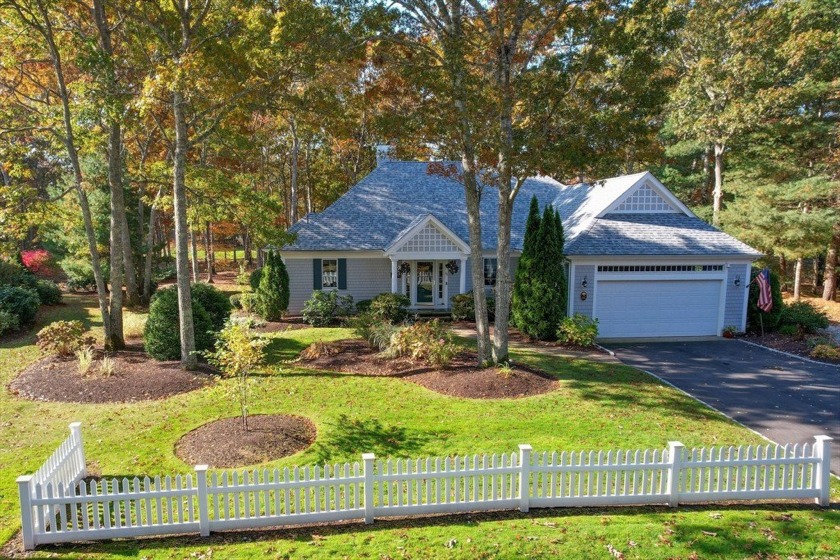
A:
(317, 277)
(342, 274)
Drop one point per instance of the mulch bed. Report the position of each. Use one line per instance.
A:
(137, 377)
(225, 443)
(287, 324)
(462, 378)
(516, 337)
(786, 343)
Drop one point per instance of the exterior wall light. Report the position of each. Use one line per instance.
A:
(584, 283)
(738, 280)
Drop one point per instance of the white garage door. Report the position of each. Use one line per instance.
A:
(654, 308)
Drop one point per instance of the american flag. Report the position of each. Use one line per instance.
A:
(765, 298)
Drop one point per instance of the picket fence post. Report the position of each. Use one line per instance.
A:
(675, 452)
(368, 459)
(524, 477)
(76, 432)
(822, 450)
(203, 506)
(27, 526)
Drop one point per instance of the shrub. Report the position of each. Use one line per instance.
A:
(430, 341)
(273, 291)
(256, 276)
(8, 322)
(13, 274)
(756, 317)
(390, 307)
(161, 335)
(825, 352)
(463, 307)
(376, 332)
(363, 306)
(326, 307)
(578, 329)
(789, 330)
(79, 273)
(163, 273)
(804, 317)
(38, 261)
(63, 338)
(21, 302)
(236, 301)
(248, 302)
(214, 301)
(48, 292)
(243, 278)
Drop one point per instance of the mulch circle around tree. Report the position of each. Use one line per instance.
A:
(136, 377)
(461, 378)
(225, 443)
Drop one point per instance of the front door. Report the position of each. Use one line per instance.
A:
(425, 283)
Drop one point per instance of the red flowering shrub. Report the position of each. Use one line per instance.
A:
(38, 261)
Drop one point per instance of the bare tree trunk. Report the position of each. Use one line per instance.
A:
(179, 190)
(208, 252)
(116, 341)
(150, 243)
(718, 192)
(797, 279)
(831, 261)
(46, 31)
(454, 55)
(194, 252)
(131, 287)
(293, 191)
(246, 240)
(308, 179)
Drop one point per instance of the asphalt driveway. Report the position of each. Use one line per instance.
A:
(785, 399)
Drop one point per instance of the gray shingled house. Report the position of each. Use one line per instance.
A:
(638, 259)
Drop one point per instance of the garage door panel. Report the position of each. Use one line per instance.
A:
(653, 308)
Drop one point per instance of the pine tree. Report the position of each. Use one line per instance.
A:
(525, 267)
(273, 291)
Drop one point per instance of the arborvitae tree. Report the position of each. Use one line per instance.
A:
(273, 291)
(544, 302)
(525, 267)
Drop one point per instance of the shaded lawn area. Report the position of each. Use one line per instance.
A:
(606, 406)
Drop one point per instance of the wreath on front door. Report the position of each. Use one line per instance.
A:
(453, 266)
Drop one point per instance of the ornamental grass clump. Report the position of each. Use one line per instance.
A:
(237, 354)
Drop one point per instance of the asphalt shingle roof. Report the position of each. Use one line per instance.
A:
(374, 213)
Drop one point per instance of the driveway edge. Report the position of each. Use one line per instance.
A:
(788, 354)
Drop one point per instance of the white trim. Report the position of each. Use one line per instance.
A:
(408, 235)
(571, 288)
(722, 304)
(654, 183)
(640, 276)
(745, 285)
(643, 260)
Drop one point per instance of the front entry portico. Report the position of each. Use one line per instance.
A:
(424, 282)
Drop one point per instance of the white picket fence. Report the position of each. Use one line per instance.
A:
(57, 506)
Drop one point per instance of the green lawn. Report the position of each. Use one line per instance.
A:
(598, 406)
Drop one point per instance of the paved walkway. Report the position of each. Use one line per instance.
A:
(783, 398)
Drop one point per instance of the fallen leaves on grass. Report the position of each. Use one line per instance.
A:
(615, 552)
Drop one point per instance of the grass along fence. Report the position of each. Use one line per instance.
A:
(57, 505)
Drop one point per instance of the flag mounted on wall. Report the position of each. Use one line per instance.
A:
(765, 297)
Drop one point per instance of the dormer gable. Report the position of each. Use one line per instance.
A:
(646, 196)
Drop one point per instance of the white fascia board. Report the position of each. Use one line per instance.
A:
(660, 259)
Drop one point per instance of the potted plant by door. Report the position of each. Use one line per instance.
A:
(730, 331)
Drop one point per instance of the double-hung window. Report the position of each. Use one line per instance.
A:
(329, 273)
(490, 266)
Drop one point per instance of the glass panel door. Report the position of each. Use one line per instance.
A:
(425, 283)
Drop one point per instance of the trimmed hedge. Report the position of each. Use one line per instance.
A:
(214, 301)
(389, 307)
